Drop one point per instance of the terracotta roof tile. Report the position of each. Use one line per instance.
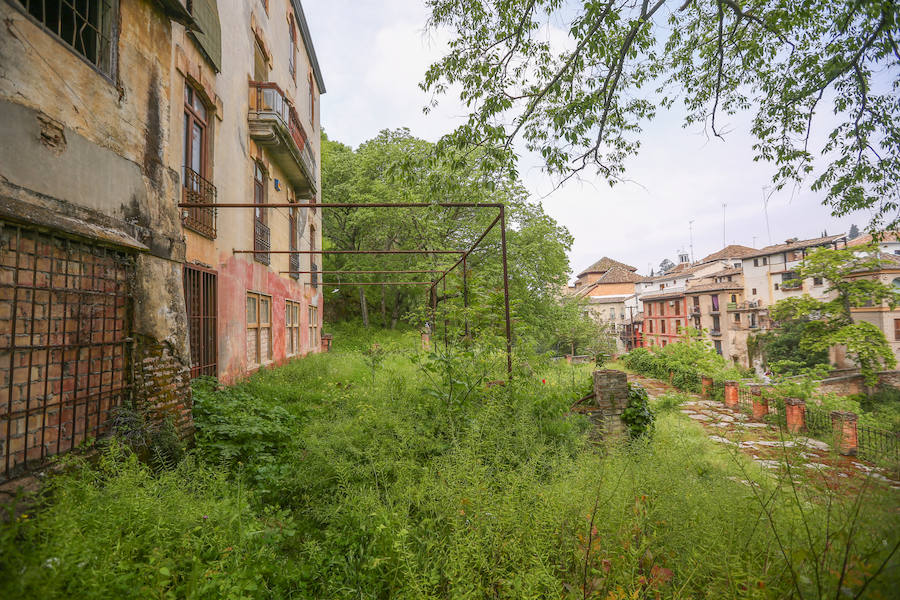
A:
(605, 264)
(798, 245)
(732, 251)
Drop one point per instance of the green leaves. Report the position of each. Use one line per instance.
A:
(812, 326)
(577, 81)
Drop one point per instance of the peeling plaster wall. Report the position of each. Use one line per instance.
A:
(232, 158)
(94, 149)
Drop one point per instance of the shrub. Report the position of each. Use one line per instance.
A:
(638, 416)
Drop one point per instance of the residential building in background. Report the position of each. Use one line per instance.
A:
(888, 243)
(665, 318)
(608, 287)
(884, 317)
(110, 294)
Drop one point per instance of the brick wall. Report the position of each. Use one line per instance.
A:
(161, 385)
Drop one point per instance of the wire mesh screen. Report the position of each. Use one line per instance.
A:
(63, 351)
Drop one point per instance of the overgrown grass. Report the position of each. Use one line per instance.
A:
(316, 480)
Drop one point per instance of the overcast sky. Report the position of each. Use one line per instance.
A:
(373, 54)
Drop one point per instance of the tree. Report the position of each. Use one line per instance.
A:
(581, 102)
(666, 265)
(821, 324)
(397, 167)
(854, 232)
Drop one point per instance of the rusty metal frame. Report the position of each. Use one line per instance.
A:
(463, 254)
(71, 299)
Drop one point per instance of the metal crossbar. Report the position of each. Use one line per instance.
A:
(501, 219)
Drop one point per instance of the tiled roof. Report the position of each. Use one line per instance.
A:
(605, 264)
(865, 239)
(732, 251)
(617, 274)
(798, 245)
(664, 295)
(608, 299)
(685, 269)
(727, 272)
(711, 287)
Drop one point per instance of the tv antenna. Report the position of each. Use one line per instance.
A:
(765, 188)
(691, 230)
(724, 242)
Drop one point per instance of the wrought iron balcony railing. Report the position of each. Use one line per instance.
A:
(196, 189)
(261, 245)
(268, 102)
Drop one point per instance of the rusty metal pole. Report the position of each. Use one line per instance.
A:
(446, 344)
(506, 291)
(465, 296)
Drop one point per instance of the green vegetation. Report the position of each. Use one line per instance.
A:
(682, 363)
(813, 326)
(313, 480)
(576, 82)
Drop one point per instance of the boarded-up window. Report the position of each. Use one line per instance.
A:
(259, 328)
(63, 351)
(292, 327)
(313, 328)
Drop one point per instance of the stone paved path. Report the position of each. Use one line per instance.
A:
(767, 445)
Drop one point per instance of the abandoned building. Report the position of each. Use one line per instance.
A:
(111, 294)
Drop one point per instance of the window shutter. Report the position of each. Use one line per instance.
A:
(206, 13)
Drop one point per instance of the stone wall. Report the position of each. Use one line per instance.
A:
(853, 383)
(610, 398)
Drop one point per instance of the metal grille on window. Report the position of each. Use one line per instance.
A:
(87, 26)
(63, 344)
(201, 297)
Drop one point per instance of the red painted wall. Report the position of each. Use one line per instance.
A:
(659, 311)
(239, 275)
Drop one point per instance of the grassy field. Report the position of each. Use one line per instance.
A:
(389, 473)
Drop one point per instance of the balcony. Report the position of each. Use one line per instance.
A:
(261, 245)
(274, 124)
(695, 311)
(745, 305)
(197, 190)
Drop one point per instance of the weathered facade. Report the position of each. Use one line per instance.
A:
(255, 119)
(114, 113)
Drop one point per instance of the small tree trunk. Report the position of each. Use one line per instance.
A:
(363, 308)
(395, 312)
(384, 319)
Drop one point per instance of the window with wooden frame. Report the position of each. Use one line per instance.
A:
(259, 328)
(260, 215)
(313, 328)
(292, 327)
(897, 329)
(89, 28)
(292, 52)
(196, 187)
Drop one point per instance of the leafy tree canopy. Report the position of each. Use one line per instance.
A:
(397, 167)
(581, 98)
(666, 265)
